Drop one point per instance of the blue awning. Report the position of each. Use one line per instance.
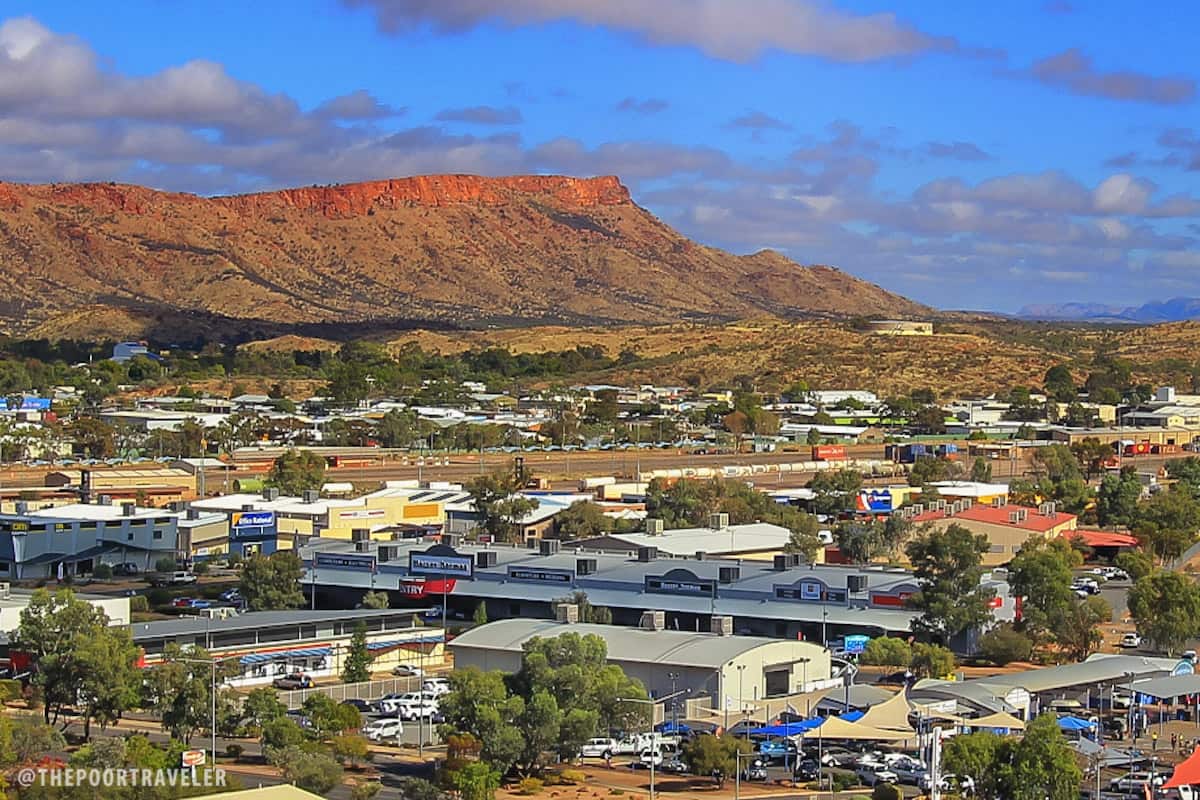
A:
(280, 655)
(402, 642)
(1075, 724)
(852, 716)
(789, 729)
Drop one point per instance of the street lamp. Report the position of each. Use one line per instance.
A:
(212, 662)
(741, 702)
(673, 676)
(653, 744)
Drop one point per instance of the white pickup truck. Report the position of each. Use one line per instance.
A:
(631, 745)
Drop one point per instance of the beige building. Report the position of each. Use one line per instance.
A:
(1007, 527)
(899, 327)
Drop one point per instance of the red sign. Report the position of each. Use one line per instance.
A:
(418, 589)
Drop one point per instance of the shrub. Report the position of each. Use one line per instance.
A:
(102, 572)
(10, 689)
(572, 776)
(886, 791)
(234, 751)
(159, 597)
(139, 604)
(1003, 645)
(366, 790)
(843, 781)
(529, 786)
(164, 565)
(200, 567)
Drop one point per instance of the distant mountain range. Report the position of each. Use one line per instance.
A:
(1176, 309)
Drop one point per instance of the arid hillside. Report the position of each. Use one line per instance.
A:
(436, 251)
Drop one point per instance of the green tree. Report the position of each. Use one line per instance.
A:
(813, 436)
(946, 563)
(94, 438)
(835, 490)
(929, 469)
(356, 667)
(1166, 608)
(349, 748)
(581, 520)
(1003, 645)
(1117, 498)
(329, 717)
(1166, 524)
(180, 688)
(279, 733)
(476, 781)
(313, 771)
(981, 470)
(262, 705)
(886, 791)
(931, 660)
(1076, 629)
(376, 600)
(930, 419)
(27, 738)
(1136, 563)
(480, 616)
(714, 755)
(79, 660)
(887, 651)
(1041, 575)
(499, 507)
(1059, 384)
(272, 582)
(297, 471)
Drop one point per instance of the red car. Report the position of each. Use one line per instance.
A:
(182, 602)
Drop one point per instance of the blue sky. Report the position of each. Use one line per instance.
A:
(968, 155)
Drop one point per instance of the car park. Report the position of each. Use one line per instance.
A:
(232, 595)
(1131, 640)
(648, 757)
(411, 705)
(437, 686)
(872, 773)
(362, 705)
(598, 748)
(673, 766)
(384, 728)
(777, 750)
(909, 770)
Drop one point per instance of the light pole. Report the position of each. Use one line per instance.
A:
(212, 662)
(674, 704)
(824, 619)
(654, 750)
(742, 703)
(804, 687)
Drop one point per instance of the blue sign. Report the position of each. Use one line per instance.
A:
(35, 403)
(365, 563)
(441, 560)
(1184, 667)
(877, 500)
(856, 644)
(252, 519)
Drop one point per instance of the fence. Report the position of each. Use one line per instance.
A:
(367, 690)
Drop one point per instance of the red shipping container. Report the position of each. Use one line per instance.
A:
(828, 452)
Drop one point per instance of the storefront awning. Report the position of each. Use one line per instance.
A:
(280, 655)
(401, 642)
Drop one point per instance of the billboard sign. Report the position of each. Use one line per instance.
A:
(35, 403)
(192, 758)
(441, 560)
(417, 589)
(363, 513)
(346, 561)
(856, 644)
(252, 519)
(540, 575)
(874, 500)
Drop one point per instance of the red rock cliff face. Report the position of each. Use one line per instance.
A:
(353, 199)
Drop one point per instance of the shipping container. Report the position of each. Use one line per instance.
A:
(829, 452)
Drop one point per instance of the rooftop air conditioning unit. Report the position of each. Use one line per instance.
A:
(718, 522)
(128, 509)
(728, 574)
(485, 559)
(360, 535)
(856, 584)
(270, 494)
(5, 590)
(654, 527)
(1013, 517)
(548, 547)
(566, 613)
(585, 566)
(722, 625)
(647, 554)
(653, 620)
(363, 546)
(310, 496)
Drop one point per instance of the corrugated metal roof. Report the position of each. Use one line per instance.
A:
(1094, 670)
(255, 620)
(682, 648)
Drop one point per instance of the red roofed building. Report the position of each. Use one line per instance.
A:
(1006, 527)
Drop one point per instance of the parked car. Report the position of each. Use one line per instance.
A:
(1136, 782)
(181, 602)
(648, 757)
(385, 702)
(385, 728)
(755, 771)
(777, 749)
(1131, 640)
(673, 766)
(411, 705)
(297, 680)
(909, 771)
(870, 774)
(199, 602)
(173, 579)
(957, 784)
(1116, 727)
(598, 748)
(232, 595)
(408, 670)
(126, 569)
(362, 705)
(807, 769)
(833, 756)
(438, 686)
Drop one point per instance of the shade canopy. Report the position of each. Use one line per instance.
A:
(1075, 724)
(1001, 719)
(1187, 773)
(891, 715)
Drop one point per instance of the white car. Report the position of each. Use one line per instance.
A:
(380, 729)
(958, 784)
(436, 686)
(649, 757)
(598, 748)
(409, 705)
(1136, 782)
(1131, 640)
(870, 774)
(408, 670)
